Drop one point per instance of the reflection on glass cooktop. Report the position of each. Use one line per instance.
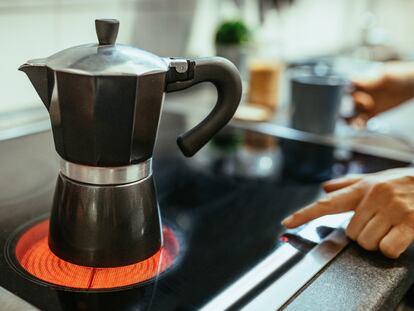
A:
(227, 219)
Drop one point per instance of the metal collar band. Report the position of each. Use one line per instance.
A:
(106, 175)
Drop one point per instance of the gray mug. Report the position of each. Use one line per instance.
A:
(315, 102)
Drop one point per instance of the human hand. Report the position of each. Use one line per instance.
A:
(392, 88)
(383, 204)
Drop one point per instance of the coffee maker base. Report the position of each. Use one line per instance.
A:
(105, 225)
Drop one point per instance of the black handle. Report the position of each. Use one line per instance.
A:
(226, 78)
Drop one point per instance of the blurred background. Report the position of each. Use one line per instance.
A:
(269, 40)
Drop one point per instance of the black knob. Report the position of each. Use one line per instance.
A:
(106, 30)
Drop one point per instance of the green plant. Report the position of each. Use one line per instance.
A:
(232, 32)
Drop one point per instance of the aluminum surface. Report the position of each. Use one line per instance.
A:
(285, 287)
(103, 58)
(106, 175)
(180, 65)
(279, 293)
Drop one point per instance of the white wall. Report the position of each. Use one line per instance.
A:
(39, 28)
(396, 17)
(326, 25)
(36, 29)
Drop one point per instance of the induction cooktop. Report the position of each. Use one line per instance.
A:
(227, 247)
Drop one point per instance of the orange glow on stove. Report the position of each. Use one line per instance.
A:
(284, 239)
(34, 256)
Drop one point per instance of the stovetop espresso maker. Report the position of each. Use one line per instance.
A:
(104, 102)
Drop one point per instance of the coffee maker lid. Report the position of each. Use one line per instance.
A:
(106, 57)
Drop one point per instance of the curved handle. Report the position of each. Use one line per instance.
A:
(225, 77)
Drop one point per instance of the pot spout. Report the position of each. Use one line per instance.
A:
(41, 78)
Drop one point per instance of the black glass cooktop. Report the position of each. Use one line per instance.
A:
(225, 206)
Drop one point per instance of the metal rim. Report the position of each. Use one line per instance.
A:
(97, 175)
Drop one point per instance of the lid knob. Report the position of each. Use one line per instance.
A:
(106, 30)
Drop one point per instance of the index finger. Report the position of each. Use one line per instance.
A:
(339, 183)
(337, 202)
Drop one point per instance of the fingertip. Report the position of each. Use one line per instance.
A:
(349, 234)
(335, 184)
(289, 222)
(363, 101)
(392, 256)
(328, 186)
(327, 183)
(286, 222)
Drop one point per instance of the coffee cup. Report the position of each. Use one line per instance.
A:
(315, 102)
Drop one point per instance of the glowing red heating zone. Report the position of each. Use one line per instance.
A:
(34, 255)
(284, 239)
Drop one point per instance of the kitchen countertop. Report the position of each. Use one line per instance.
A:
(355, 280)
(358, 280)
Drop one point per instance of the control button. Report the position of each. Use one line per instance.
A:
(301, 244)
(324, 231)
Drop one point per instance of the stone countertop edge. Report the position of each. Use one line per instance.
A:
(357, 280)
